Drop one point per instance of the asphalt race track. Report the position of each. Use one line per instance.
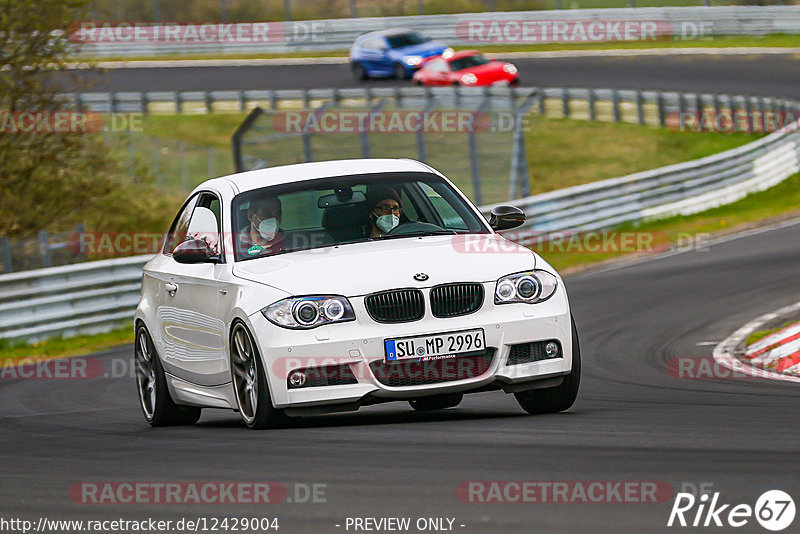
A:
(632, 422)
(765, 75)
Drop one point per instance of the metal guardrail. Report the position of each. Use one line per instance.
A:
(83, 298)
(94, 296)
(337, 34)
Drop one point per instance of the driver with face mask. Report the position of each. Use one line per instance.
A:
(263, 235)
(384, 212)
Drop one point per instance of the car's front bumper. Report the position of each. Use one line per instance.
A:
(359, 343)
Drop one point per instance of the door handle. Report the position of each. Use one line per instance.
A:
(171, 288)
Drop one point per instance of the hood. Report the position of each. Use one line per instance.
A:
(487, 72)
(431, 48)
(362, 268)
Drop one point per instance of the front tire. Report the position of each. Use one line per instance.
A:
(359, 72)
(439, 402)
(250, 383)
(400, 72)
(559, 398)
(157, 405)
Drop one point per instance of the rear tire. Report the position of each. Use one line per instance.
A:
(250, 383)
(157, 405)
(559, 398)
(439, 402)
(359, 72)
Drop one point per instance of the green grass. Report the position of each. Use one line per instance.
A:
(67, 347)
(720, 41)
(778, 202)
(761, 334)
(608, 150)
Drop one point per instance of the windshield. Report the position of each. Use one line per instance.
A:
(469, 61)
(347, 209)
(405, 39)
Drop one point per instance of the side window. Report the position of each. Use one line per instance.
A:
(179, 228)
(374, 44)
(205, 223)
(438, 65)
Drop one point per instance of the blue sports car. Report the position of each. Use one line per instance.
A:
(387, 53)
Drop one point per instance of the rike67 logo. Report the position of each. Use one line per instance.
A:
(774, 510)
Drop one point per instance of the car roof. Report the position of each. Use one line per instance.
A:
(463, 53)
(249, 180)
(387, 32)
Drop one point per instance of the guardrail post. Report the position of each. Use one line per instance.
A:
(78, 103)
(112, 102)
(305, 98)
(748, 113)
(273, 100)
(178, 102)
(473, 151)
(308, 153)
(80, 229)
(398, 97)
(456, 96)
(662, 114)
(44, 248)
(209, 101)
(681, 105)
(5, 252)
(761, 112)
(565, 102)
(240, 98)
(143, 102)
(540, 101)
(717, 107)
(615, 105)
(640, 118)
(591, 101)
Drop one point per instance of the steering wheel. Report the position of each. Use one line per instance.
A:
(414, 227)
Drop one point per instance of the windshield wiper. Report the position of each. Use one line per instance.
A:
(420, 233)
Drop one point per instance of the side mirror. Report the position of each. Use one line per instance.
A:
(506, 217)
(194, 251)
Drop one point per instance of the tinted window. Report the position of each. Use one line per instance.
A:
(405, 39)
(177, 232)
(348, 209)
(467, 62)
(437, 65)
(376, 43)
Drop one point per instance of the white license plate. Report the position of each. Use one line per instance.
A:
(435, 345)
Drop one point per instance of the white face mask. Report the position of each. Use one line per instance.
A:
(268, 228)
(387, 222)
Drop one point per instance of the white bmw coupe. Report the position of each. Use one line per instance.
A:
(324, 287)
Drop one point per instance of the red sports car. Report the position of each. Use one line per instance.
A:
(467, 67)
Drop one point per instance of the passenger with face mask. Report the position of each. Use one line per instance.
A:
(385, 209)
(263, 235)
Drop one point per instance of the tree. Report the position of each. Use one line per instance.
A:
(47, 178)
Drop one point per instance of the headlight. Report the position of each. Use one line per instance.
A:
(309, 312)
(529, 287)
(412, 61)
(509, 68)
(469, 79)
(448, 52)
